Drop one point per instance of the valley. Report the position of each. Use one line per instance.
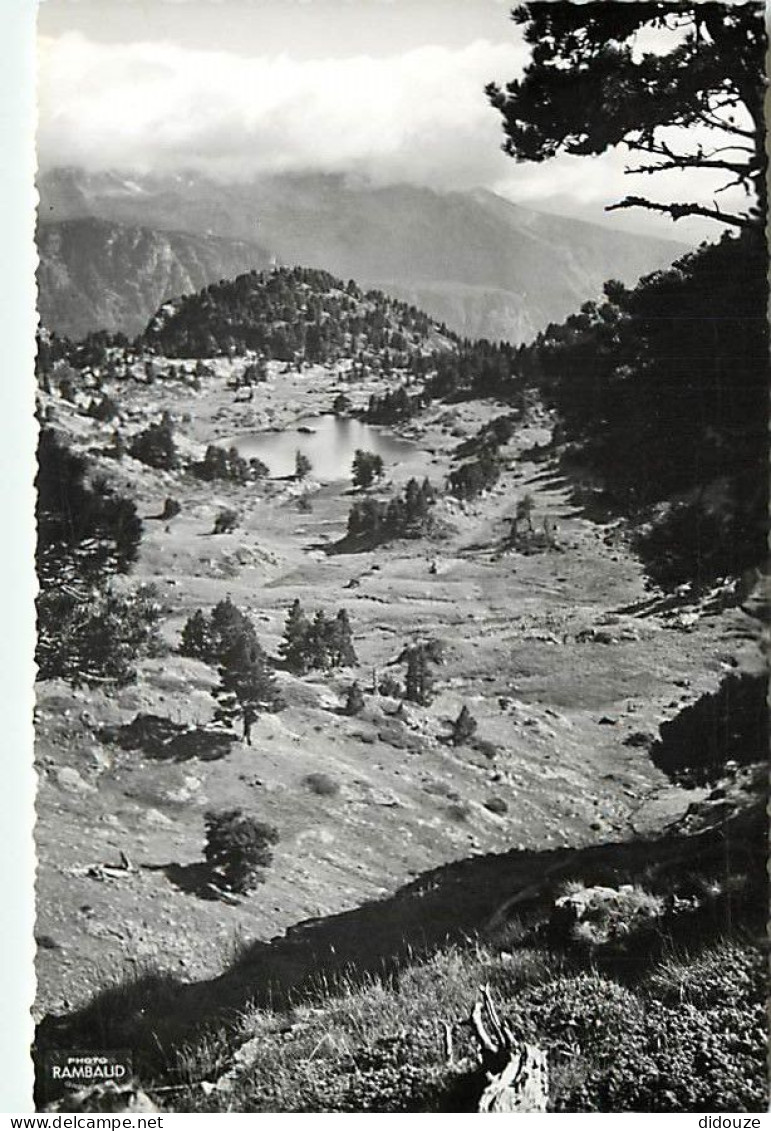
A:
(483, 265)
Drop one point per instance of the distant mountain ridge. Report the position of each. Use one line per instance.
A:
(485, 266)
(94, 274)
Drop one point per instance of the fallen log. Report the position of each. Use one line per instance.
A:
(517, 1072)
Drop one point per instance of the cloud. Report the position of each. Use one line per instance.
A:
(419, 116)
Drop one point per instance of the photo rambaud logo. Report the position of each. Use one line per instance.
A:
(89, 1067)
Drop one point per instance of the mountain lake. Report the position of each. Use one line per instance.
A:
(328, 441)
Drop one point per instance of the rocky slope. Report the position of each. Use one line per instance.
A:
(558, 656)
(483, 265)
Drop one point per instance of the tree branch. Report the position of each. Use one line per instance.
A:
(678, 211)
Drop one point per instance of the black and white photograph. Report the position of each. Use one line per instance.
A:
(401, 416)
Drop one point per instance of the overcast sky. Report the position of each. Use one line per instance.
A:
(387, 89)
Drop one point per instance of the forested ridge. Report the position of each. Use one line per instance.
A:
(285, 313)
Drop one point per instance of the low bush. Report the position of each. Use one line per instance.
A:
(593, 917)
(727, 974)
(474, 477)
(171, 508)
(485, 747)
(321, 784)
(99, 638)
(226, 521)
(155, 446)
(354, 700)
(496, 805)
(406, 515)
(390, 687)
(464, 727)
(680, 1059)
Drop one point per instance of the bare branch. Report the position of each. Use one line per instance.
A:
(449, 1054)
(717, 123)
(480, 1032)
(678, 211)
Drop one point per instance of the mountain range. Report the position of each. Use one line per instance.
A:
(114, 247)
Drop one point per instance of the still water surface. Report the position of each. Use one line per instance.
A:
(330, 446)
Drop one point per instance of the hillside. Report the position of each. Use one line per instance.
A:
(481, 264)
(590, 758)
(98, 275)
(288, 313)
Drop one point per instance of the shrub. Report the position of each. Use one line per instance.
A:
(418, 682)
(104, 409)
(226, 521)
(405, 515)
(582, 1018)
(155, 446)
(238, 848)
(171, 508)
(321, 784)
(470, 479)
(593, 917)
(464, 727)
(389, 686)
(85, 531)
(302, 465)
(728, 974)
(679, 1059)
(96, 638)
(354, 700)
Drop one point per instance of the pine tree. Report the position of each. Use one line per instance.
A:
(317, 646)
(340, 650)
(247, 685)
(238, 848)
(294, 646)
(354, 701)
(196, 637)
(418, 683)
(227, 624)
(525, 511)
(706, 73)
(464, 727)
(367, 467)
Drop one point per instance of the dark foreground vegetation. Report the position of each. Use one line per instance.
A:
(638, 966)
